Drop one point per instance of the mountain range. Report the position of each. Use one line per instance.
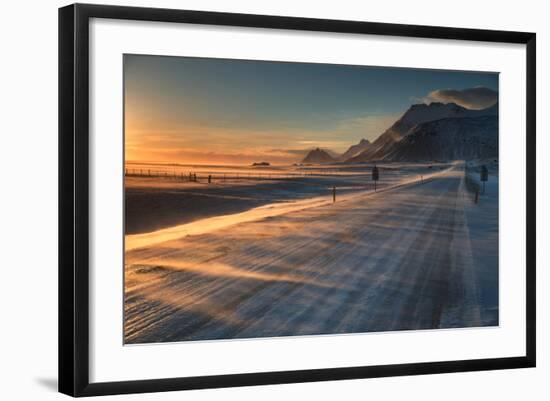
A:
(435, 131)
(355, 150)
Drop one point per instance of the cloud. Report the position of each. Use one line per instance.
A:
(473, 98)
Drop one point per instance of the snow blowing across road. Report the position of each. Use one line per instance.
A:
(407, 258)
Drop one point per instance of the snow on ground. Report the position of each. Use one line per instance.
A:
(482, 219)
(161, 201)
(270, 210)
(418, 256)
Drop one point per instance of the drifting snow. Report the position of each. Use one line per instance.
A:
(402, 259)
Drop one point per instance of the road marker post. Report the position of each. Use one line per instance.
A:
(484, 176)
(375, 176)
(334, 194)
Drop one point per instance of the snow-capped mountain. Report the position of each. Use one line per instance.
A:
(318, 156)
(449, 139)
(417, 114)
(354, 150)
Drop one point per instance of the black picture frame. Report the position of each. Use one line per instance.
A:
(74, 191)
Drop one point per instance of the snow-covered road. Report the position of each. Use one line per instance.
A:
(396, 260)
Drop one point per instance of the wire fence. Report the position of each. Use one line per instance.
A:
(331, 182)
(207, 176)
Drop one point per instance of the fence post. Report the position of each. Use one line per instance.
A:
(334, 194)
(209, 178)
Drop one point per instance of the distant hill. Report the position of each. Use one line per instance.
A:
(354, 150)
(318, 156)
(416, 115)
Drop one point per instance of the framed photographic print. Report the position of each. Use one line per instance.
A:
(249, 199)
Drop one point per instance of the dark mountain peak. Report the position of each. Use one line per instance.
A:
(426, 105)
(354, 150)
(415, 115)
(422, 112)
(454, 138)
(318, 155)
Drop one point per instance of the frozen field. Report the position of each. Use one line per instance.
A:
(161, 196)
(419, 254)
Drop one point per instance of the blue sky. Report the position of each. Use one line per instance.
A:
(177, 108)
